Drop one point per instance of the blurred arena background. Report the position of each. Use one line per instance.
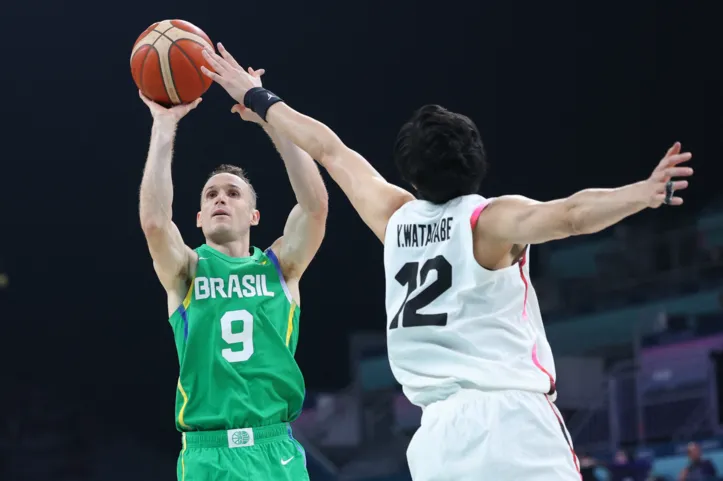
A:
(566, 96)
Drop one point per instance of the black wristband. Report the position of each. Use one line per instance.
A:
(259, 100)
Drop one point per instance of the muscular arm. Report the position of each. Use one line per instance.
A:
(171, 257)
(515, 220)
(519, 220)
(371, 195)
(511, 221)
(306, 224)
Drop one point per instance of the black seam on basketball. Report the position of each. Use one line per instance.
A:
(160, 67)
(174, 44)
(143, 64)
(170, 67)
(160, 70)
(198, 70)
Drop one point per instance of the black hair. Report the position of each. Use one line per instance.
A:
(441, 154)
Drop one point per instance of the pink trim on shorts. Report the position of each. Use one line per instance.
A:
(564, 434)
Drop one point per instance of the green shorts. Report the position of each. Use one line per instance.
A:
(269, 453)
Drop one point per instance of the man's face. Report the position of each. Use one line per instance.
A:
(227, 208)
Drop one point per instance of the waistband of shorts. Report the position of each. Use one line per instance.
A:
(236, 438)
(467, 395)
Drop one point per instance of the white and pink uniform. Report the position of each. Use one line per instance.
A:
(468, 346)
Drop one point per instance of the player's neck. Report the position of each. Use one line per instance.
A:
(239, 248)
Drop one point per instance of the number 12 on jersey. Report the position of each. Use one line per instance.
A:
(407, 276)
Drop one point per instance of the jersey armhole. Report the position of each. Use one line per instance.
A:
(275, 261)
(477, 211)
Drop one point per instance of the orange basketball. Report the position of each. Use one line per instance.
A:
(166, 62)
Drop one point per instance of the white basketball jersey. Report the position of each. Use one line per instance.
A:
(452, 324)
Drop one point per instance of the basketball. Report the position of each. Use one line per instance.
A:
(166, 62)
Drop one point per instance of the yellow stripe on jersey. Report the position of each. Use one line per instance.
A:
(187, 300)
(290, 327)
(183, 460)
(185, 402)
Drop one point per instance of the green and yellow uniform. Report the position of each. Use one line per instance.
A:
(239, 385)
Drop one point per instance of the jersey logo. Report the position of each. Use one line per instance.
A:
(284, 462)
(240, 438)
(233, 286)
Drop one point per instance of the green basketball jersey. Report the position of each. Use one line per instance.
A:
(236, 335)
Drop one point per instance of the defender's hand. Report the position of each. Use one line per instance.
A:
(664, 172)
(229, 74)
(247, 114)
(172, 114)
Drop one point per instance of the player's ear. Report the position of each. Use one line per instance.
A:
(198, 219)
(255, 217)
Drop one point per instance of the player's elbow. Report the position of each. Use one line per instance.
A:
(331, 150)
(152, 226)
(316, 206)
(573, 220)
(321, 209)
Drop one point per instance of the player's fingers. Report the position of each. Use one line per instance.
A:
(218, 63)
(679, 158)
(228, 57)
(674, 149)
(680, 185)
(677, 172)
(195, 103)
(257, 73)
(213, 76)
(145, 99)
(238, 109)
(660, 199)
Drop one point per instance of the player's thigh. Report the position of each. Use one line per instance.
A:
(501, 436)
(276, 461)
(450, 441)
(202, 464)
(281, 461)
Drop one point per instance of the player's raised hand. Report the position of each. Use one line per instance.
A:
(229, 74)
(247, 114)
(172, 114)
(662, 187)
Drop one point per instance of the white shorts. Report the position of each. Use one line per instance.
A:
(495, 436)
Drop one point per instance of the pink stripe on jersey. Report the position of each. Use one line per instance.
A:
(475, 215)
(521, 263)
(538, 364)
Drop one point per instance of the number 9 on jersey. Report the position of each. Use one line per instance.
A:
(245, 337)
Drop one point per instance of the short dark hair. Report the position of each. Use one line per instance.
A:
(441, 154)
(237, 171)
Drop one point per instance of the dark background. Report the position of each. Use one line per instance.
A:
(566, 96)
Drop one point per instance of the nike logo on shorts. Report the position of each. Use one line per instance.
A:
(284, 462)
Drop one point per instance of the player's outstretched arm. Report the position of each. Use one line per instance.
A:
(374, 199)
(306, 224)
(371, 195)
(518, 220)
(171, 256)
